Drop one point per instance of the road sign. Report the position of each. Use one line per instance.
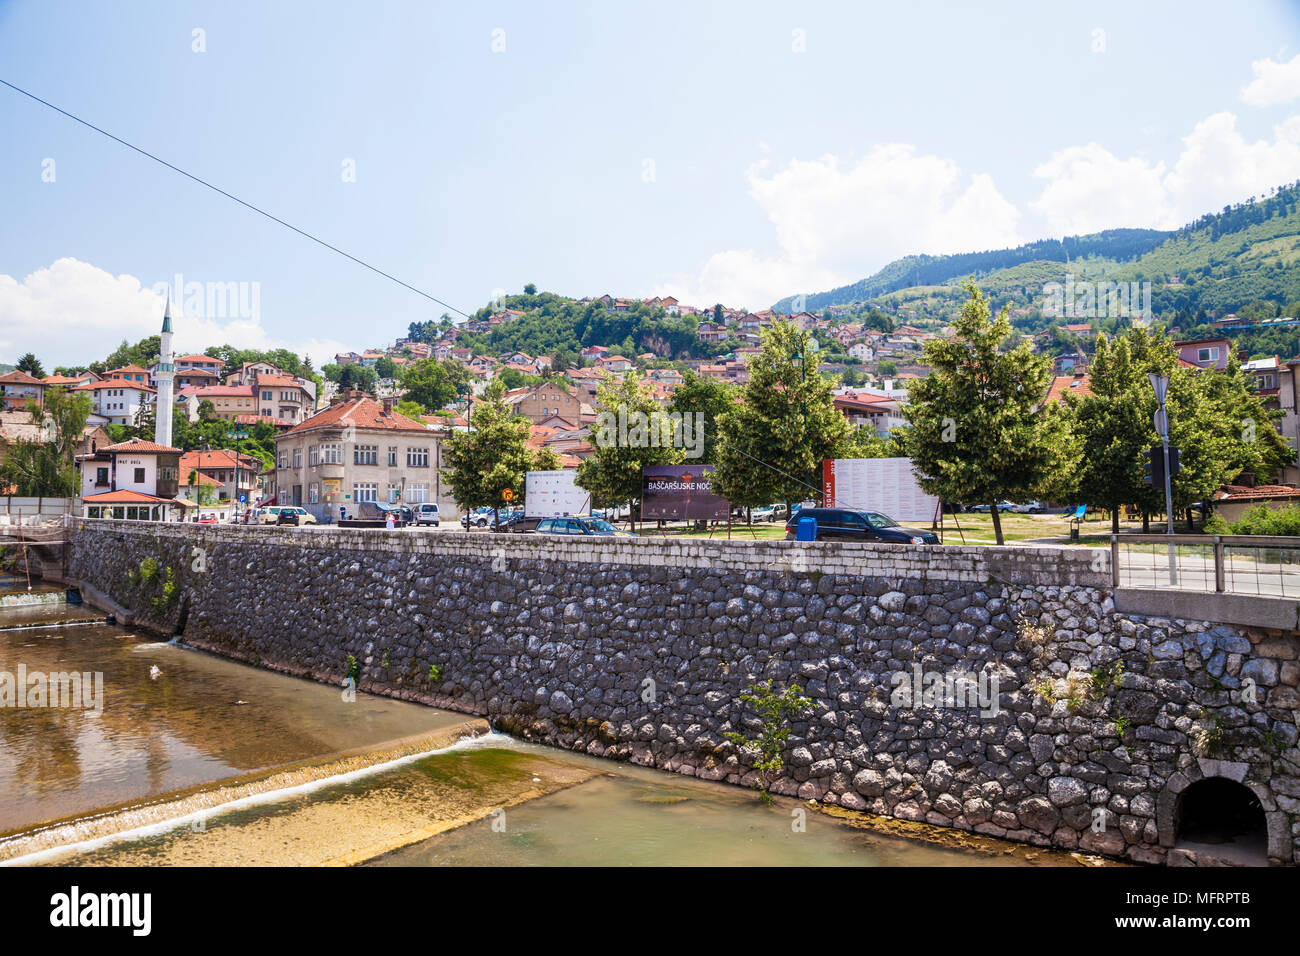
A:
(1161, 420)
(243, 499)
(507, 495)
(1160, 384)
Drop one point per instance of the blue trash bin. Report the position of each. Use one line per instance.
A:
(806, 529)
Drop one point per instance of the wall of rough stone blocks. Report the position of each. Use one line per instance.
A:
(640, 649)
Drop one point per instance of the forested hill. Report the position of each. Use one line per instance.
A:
(1117, 244)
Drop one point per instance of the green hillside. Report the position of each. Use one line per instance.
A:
(1245, 257)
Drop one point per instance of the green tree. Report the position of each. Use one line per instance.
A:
(492, 456)
(631, 433)
(434, 383)
(772, 444)
(977, 434)
(48, 468)
(709, 398)
(30, 364)
(530, 289)
(385, 367)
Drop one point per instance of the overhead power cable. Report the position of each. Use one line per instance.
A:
(247, 205)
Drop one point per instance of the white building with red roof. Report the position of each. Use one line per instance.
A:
(134, 480)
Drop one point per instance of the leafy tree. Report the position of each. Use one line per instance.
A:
(385, 367)
(30, 364)
(530, 289)
(631, 433)
(887, 368)
(492, 456)
(48, 468)
(708, 397)
(977, 434)
(772, 443)
(434, 383)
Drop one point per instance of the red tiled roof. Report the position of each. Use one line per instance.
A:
(1063, 385)
(197, 358)
(19, 377)
(63, 380)
(127, 368)
(258, 419)
(359, 413)
(277, 381)
(141, 446)
(124, 497)
(1249, 492)
(216, 458)
(114, 383)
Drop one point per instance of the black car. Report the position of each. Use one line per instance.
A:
(846, 524)
(518, 523)
(287, 516)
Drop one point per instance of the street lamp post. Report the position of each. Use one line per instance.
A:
(1160, 385)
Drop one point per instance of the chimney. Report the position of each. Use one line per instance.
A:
(388, 401)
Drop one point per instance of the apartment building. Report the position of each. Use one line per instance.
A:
(360, 450)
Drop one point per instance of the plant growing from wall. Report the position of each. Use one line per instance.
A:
(168, 593)
(353, 670)
(435, 673)
(775, 711)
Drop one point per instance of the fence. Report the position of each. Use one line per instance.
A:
(1265, 565)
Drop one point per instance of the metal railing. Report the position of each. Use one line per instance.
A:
(1265, 565)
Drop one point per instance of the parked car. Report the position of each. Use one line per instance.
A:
(582, 525)
(516, 523)
(765, 513)
(845, 524)
(427, 514)
(206, 519)
(1029, 508)
(478, 518)
(299, 515)
(287, 516)
(984, 509)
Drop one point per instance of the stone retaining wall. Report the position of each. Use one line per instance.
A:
(639, 649)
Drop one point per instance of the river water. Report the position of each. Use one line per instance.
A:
(194, 759)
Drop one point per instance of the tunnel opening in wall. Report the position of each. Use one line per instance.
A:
(1221, 822)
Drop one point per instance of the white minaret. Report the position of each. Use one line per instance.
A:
(162, 426)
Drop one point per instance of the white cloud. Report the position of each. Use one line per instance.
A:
(838, 220)
(1273, 83)
(73, 313)
(1090, 188)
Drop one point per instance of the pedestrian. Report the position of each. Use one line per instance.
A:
(389, 522)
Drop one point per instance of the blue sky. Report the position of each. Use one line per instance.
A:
(733, 151)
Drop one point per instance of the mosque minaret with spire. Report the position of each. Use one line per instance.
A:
(166, 371)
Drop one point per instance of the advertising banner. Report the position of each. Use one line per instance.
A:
(681, 493)
(886, 485)
(552, 494)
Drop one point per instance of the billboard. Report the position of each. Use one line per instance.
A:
(552, 494)
(681, 493)
(887, 485)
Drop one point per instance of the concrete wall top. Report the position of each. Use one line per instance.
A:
(1041, 566)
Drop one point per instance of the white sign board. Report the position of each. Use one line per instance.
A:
(552, 494)
(887, 485)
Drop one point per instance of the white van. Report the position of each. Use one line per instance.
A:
(427, 514)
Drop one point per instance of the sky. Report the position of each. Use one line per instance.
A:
(733, 152)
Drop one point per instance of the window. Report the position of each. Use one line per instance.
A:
(417, 492)
(392, 456)
(313, 455)
(394, 492)
(417, 458)
(101, 477)
(139, 476)
(313, 493)
(1207, 355)
(364, 492)
(331, 454)
(266, 395)
(365, 455)
(297, 458)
